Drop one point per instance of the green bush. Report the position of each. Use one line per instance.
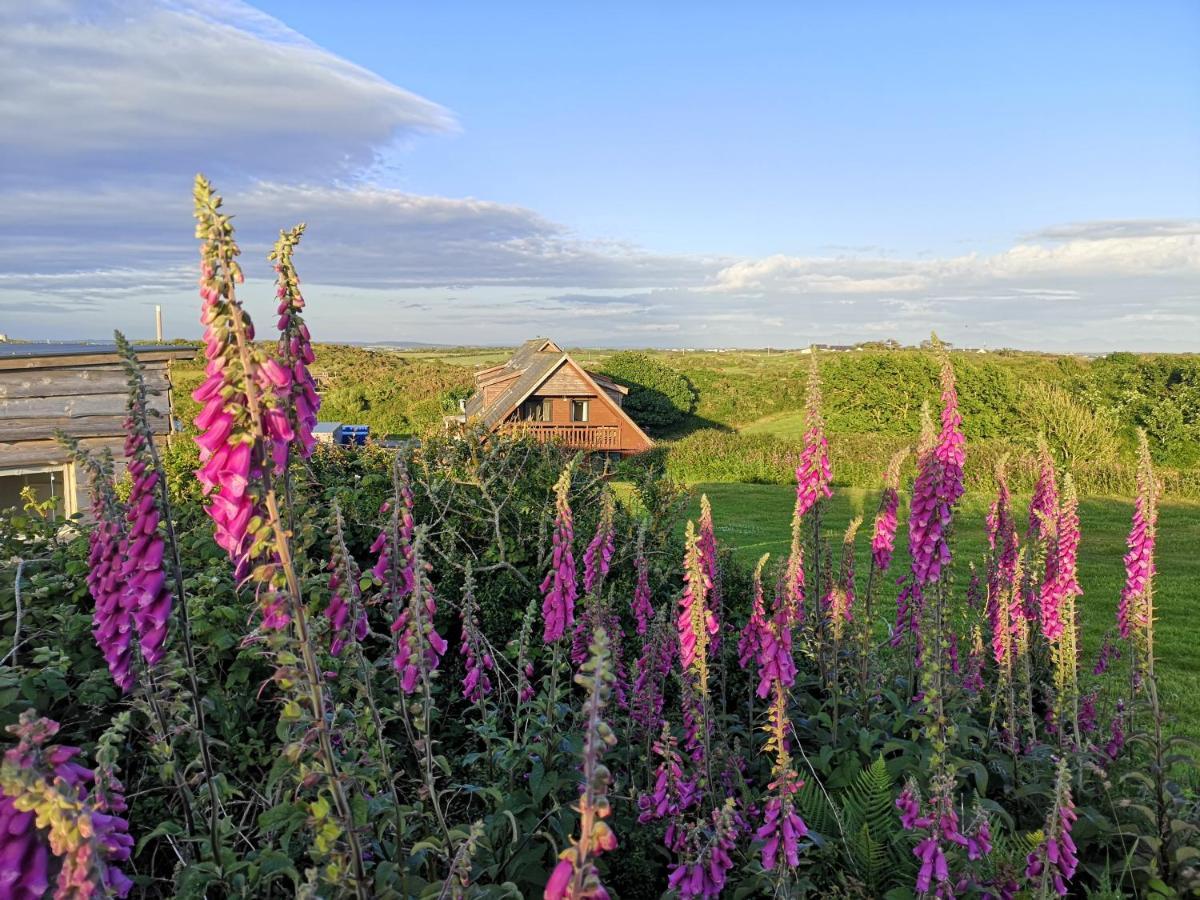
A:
(659, 397)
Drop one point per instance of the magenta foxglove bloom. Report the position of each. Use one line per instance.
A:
(597, 558)
(559, 589)
(241, 441)
(650, 674)
(1054, 861)
(952, 445)
(706, 541)
(696, 621)
(295, 344)
(782, 827)
(1107, 653)
(753, 634)
(419, 647)
(79, 810)
(477, 662)
(814, 476)
(1044, 504)
(883, 536)
(112, 617)
(706, 850)
(674, 793)
(345, 595)
(1061, 584)
(142, 573)
(1116, 737)
(642, 609)
(1134, 609)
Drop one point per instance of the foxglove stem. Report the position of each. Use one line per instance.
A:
(559, 587)
(152, 462)
(295, 344)
(1052, 864)
(1058, 613)
(576, 877)
(642, 609)
(220, 252)
(477, 659)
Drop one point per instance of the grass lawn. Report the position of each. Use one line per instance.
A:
(752, 519)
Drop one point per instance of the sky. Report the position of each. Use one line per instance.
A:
(621, 174)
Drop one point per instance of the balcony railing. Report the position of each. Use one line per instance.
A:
(580, 437)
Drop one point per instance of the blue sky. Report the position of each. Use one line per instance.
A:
(625, 174)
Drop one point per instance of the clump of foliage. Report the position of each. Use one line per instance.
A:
(466, 670)
(660, 398)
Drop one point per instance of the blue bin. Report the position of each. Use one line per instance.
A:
(355, 434)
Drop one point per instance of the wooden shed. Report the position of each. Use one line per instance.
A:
(80, 389)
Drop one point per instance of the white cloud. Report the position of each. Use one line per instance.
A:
(92, 89)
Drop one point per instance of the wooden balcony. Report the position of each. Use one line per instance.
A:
(576, 436)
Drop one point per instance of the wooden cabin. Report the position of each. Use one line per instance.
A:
(80, 389)
(542, 392)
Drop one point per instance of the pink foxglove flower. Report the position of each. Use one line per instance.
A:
(883, 536)
(244, 427)
(706, 854)
(112, 617)
(952, 445)
(347, 618)
(576, 877)
(674, 792)
(49, 802)
(295, 344)
(707, 543)
(814, 476)
(477, 659)
(782, 827)
(1135, 609)
(651, 671)
(559, 588)
(642, 609)
(755, 631)
(419, 647)
(597, 558)
(1044, 504)
(1053, 863)
(143, 573)
(1061, 586)
(696, 622)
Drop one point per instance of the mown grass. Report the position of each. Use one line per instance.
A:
(752, 519)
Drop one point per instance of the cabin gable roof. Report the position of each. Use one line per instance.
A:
(534, 363)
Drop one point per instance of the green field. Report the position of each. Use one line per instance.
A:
(753, 519)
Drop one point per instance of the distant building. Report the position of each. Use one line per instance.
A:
(544, 393)
(80, 389)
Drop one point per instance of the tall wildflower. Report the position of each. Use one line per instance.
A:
(419, 647)
(772, 640)
(883, 535)
(477, 659)
(674, 793)
(651, 670)
(243, 423)
(1052, 864)
(755, 631)
(576, 877)
(112, 617)
(295, 343)
(641, 607)
(1002, 539)
(347, 618)
(952, 445)
(782, 826)
(49, 802)
(1061, 585)
(597, 558)
(707, 542)
(1135, 611)
(841, 598)
(705, 849)
(940, 832)
(559, 587)
(814, 476)
(924, 529)
(696, 621)
(142, 572)
(1044, 503)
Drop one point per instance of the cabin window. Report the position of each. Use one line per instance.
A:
(535, 410)
(579, 410)
(49, 483)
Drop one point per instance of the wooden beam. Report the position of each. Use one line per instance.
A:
(14, 454)
(22, 383)
(42, 427)
(91, 359)
(60, 408)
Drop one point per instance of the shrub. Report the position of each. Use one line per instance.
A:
(659, 397)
